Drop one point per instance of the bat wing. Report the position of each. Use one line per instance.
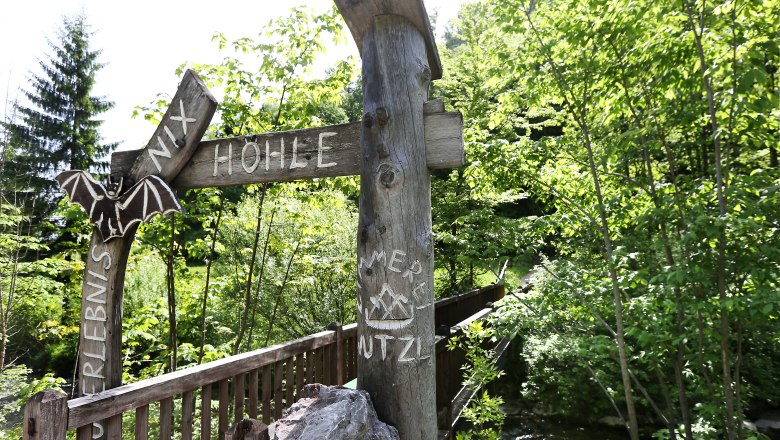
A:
(150, 196)
(83, 190)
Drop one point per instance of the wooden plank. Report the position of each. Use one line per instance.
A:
(359, 15)
(238, 397)
(102, 405)
(187, 410)
(84, 432)
(310, 153)
(205, 412)
(299, 374)
(253, 393)
(310, 367)
(319, 365)
(180, 131)
(278, 391)
(166, 418)
(289, 383)
(141, 423)
(45, 416)
(224, 402)
(395, 242)
(267, 394)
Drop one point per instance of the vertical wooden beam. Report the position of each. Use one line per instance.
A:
(253, 393)
(238, 397)
(205, 412)
(166, 418)
(338, 378)
(142, 422)
(267, 394)
(224, 402)
(46, 416)
(187, 410)
(395, 238)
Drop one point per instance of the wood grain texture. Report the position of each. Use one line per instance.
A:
(205, 412)
(100, 336)
(224, 403)
(311, 153)
(238, 397)
(187, 412)
(179, 132)
(253, 393)
(395, 237)
(45, 416)
(141, 422)
(359, 15)
(166, 418)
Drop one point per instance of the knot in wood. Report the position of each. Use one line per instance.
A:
(425, 73)
(381, 116)
(180, 142)
(388, 174)
(368, 120)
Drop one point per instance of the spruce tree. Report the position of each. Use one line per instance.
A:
(56, 129)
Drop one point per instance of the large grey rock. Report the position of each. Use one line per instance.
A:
(332, 413)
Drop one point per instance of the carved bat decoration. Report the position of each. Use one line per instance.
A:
(112, 212)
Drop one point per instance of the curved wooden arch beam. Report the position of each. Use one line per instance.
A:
(100, 340)
(359, 15)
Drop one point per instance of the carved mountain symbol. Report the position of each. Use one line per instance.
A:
(389, 305)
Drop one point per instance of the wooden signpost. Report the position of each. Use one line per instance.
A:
(100, 341)
(400, 138)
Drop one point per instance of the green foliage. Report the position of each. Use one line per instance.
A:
(58, 129)
(483, 412)
(15, 389)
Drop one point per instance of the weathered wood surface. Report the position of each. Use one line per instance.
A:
(84, 410)
(311, 153)
(180, 131)
(45, 416)
(395, 238)
(359, 15)
(100, 340)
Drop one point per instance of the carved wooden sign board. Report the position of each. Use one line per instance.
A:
(399, 139)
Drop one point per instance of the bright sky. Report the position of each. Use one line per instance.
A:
(142, 43)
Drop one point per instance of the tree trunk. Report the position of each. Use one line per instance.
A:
(248, 292)
(724, 325)
(211, 257)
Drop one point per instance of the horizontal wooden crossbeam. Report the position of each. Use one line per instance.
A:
(299, 154)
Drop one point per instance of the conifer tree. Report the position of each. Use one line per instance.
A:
(56, 128)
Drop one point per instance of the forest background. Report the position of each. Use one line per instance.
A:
(625, 150)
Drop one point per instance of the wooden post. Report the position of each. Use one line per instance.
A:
(100, 343)
(396, 361)
(338, 329)
(46, 416)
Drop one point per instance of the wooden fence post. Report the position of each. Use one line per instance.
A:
(339, 330)
(46, 416)
(396, 360)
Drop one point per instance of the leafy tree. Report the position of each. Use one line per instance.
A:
(58, 129)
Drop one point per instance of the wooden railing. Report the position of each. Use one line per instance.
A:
(258, 385)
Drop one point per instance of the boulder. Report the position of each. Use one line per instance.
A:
(332, 413)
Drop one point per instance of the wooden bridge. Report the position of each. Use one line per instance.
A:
(257, 385)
